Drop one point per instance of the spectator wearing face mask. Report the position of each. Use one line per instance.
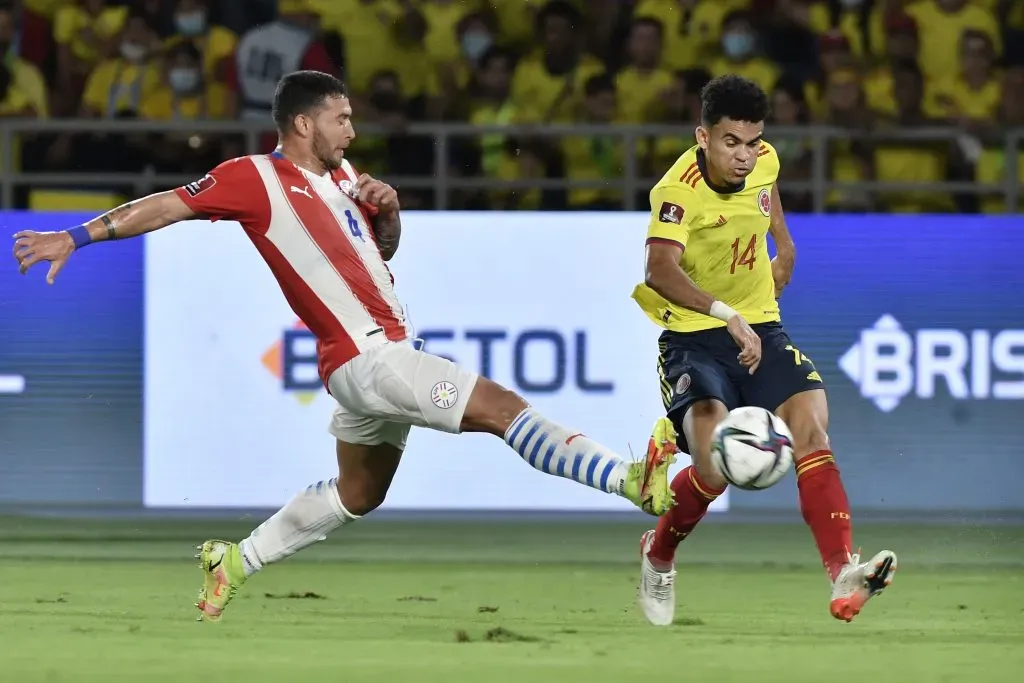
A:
(693, 28)
(186, 93)
(443, 18)
(215, 43)
(86, 33)
(123, 83)
(740, 53)
(474, 36)
(940, 25)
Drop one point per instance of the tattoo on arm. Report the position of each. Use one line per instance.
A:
(388, 230)
(110, 219)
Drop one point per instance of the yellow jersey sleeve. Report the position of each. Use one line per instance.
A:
(66, 24)
(675, 209)
(97, 87)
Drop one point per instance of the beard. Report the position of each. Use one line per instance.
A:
(324, 152)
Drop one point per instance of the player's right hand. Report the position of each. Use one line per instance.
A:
(31, 247)
(747, 340)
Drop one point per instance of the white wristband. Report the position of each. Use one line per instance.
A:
(722, 311)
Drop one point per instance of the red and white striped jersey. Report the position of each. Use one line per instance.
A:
(316, 238)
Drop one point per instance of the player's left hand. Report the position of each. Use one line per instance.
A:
(377, 193)
(782, 273)
(31, 247)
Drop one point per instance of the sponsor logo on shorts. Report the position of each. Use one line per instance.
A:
(201, 185)
(683, 385)
(764, 201)
(444, 395)
(670, 213)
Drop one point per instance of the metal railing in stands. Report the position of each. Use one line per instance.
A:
(442, 180)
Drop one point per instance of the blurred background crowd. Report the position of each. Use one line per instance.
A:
(860, 66)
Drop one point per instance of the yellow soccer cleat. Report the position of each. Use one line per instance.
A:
(221, 563)
(647, 483)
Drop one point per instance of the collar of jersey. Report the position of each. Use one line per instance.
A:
(720, 189)
(277, 155)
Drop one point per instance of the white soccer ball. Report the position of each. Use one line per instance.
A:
(752, 448)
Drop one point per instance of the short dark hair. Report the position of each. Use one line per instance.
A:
(732, 97)
(649, 21)
(302, 92)
(561, 9)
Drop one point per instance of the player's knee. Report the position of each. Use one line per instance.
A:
(699, 424)
(360, 496)
(491, 408)
(809, 436)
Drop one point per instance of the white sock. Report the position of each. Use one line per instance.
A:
(553, 449)
(306, 519)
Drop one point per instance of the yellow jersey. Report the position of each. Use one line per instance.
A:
(723, 235)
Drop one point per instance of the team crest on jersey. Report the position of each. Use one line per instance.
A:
(348, 188)
(670, 213)
(201, 185)
(444, 395)
(764, 201)
(683, 384)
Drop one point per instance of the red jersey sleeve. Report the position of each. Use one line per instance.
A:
(317, 59)
(233, 191)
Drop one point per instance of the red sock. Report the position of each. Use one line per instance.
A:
(825, 508)
(693, 497)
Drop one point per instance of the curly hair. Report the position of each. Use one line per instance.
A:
(732, 97)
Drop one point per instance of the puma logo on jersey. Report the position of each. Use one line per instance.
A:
(570, 439)
(304, 190)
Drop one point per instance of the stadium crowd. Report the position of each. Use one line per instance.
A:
(858, 65)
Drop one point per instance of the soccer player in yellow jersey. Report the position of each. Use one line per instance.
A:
(711, 285)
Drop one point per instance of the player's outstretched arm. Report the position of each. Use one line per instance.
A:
(128, 220)
(785, 250)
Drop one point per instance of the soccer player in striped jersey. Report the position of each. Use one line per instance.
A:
(712, 288)
(326, 233)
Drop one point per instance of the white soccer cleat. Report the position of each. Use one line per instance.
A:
(657, 591)
(859, 581)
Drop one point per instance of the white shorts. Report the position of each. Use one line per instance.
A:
(383, 392)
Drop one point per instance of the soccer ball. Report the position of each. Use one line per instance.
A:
(752, 448)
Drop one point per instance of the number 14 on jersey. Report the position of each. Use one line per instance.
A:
(747, 257)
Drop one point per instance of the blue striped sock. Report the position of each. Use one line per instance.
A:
(553, 449)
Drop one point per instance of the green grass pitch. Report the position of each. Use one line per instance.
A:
(486, 602)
